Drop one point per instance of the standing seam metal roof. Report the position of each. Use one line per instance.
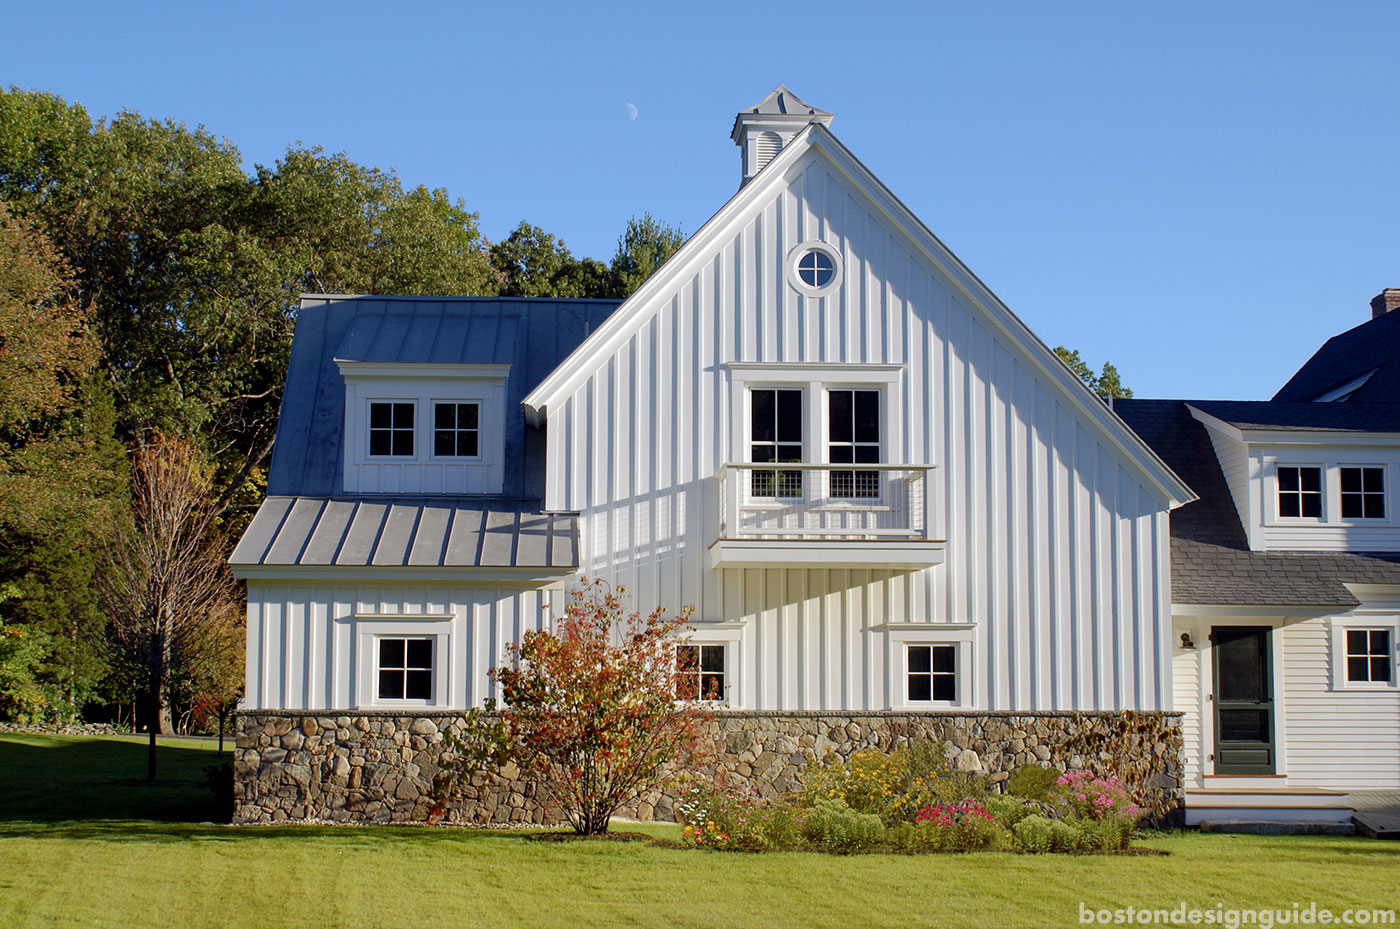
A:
(533, 336)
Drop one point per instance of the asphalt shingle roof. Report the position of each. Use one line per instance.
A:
(1211, 559)
(1371, 346)
(1304, 417)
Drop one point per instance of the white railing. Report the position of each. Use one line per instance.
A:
(823, 501)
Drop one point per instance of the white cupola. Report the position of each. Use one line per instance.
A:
(762, 130)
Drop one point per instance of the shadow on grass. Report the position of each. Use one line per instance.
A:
(51, 778)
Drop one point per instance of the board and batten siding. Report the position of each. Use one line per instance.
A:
(1057, 553)
(304, 639)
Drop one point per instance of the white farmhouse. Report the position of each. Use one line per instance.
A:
(891, 506)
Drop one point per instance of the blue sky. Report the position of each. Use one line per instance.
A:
(1200, 192)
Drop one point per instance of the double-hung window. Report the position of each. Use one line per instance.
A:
(853, 437)
(775, 435)
(391, 429)
(1363, 492)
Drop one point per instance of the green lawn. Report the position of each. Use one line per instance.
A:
(84, 843)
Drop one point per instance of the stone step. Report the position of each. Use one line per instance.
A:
(1277, 827)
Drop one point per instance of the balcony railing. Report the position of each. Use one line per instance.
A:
(823, 501)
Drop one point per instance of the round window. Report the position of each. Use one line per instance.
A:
(814, 268)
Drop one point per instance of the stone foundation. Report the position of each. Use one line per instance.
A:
(379, 767)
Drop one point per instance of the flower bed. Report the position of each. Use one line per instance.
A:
(909, 800)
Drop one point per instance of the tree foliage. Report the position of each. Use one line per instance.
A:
(641, 249)
(533, 263)
(590, 710)
(1106, 383)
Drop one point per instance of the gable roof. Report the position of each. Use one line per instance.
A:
(1211, 560)
(634, 311)
(1373, 346)
(531, 335)
(1270, 415)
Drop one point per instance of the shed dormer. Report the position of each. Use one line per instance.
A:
(762, 130)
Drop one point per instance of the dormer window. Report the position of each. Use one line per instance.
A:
(1300, 491)
(424, 428)
(390, 429)
(456, 430)
(1363, 493)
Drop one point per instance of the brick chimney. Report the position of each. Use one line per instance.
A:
(1385, 301)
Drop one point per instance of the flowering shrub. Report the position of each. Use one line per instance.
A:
(1099, 807)
(740, 820)
(892, 785)
(1083, 795)
(957, 827)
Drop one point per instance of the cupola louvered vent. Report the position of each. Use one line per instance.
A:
(766, 149)
(762, 130)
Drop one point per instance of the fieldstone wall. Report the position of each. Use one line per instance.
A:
(379, 767)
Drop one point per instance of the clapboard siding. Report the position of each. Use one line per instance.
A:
(1234, 464)
(1343, 738)
(1056, 547)
(1186, 694)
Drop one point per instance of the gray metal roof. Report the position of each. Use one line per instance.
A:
(532, 335)
(783, 102)
(412, 532)
(1211, 559)
(1303, 417)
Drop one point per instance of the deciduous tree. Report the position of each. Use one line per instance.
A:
(590, 710)
(165, 582)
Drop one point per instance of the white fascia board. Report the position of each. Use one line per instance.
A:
(618, 327)
(1261, 610)
(1320, 437)
(374, 574)
(1375, 596)
(1217, 424)
(358, 369)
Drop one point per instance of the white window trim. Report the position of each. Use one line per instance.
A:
(814, 380)
(731, 636)
(365, 439)
(368, 629)
(481, 435)
(1271, 497)
(902, 635)
(795, 280)
(1331, 493)
(1340, 627)
(1385, 487)
(424, 385)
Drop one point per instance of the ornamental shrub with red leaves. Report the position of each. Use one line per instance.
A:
(588, 711)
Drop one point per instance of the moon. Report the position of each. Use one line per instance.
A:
(631, 112)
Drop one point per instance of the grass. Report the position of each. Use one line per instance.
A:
(83, 842)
